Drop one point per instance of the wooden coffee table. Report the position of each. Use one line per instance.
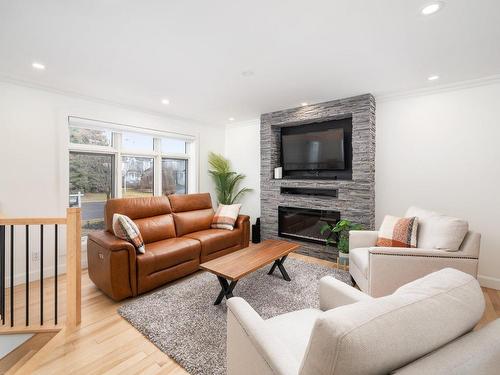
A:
(232, 267)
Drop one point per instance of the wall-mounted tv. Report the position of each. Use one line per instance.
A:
(317, 150)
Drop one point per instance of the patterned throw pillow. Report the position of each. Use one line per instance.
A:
(226, 216)
(398, 232)
(125, 228)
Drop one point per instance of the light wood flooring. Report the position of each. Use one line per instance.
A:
(105, 343)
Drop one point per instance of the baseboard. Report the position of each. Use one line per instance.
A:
(489, 282)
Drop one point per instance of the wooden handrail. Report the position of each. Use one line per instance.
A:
(73, 268)
(33, 221)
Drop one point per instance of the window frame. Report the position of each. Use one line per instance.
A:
(186, 172)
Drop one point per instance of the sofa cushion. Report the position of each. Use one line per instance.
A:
(192, 212)
(438, 231)
(294, 329)
(168, 253)
(381, 335)
(152, 215)
(125, 229)
(360, 258)
(225, 217)
(213, 240)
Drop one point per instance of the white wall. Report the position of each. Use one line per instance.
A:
(243, 150)
(437, 150)
(441, 151)
(34, 150)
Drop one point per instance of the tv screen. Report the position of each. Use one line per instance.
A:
(313, 149)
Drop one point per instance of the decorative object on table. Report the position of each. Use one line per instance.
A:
(161, 315)
(278, 173)
(256, 231)
(339, 234)
(398, 232)
(226, 181)
(225, 216)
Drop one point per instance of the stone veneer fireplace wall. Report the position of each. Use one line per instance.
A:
(356, 197)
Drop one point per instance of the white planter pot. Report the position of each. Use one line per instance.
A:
(343, 259)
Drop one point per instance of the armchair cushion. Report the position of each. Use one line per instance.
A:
(360, 258)
(438, 231)
(378, 336)
(293, 329)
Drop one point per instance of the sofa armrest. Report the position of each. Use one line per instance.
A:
(334, 293)
(433, 253)
(251, 347)
(243, 223)
(110, 241)
(362, 238)
(112, 265)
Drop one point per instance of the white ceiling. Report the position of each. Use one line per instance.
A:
(194, 52)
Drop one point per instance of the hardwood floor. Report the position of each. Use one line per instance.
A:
(105, 343)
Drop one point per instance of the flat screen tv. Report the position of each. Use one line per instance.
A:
(318, 150)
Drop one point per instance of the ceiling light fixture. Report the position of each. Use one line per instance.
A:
(303, 104)
(38, 66)
(431, 8)
(165, 101)
(433, 77)
(247, 73)
(231, 118)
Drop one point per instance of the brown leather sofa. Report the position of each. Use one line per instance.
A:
(176, 231)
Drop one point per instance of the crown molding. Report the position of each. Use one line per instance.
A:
(94, 99)
(484, 81)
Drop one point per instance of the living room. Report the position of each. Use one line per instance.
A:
(362, 134)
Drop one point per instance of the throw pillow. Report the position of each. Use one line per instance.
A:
(125, 229)
(226, 216)
(438, 231)
(398, 232)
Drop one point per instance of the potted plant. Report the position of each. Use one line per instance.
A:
(226, 181)
(339, 234)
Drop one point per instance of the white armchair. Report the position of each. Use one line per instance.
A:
(379, 271)
(353, 333)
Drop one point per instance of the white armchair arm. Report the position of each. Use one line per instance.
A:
(334, 293)
(392, 267)
(362, 238)
(251, 347)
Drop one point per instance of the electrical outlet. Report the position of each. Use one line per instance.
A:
(35, 256)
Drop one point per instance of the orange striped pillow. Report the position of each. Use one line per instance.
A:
(398, 232)
(226, 216)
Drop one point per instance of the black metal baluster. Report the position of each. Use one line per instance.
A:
(27, 275)
(12, 276)
(2, 272)
(55, 273)
(41, 275)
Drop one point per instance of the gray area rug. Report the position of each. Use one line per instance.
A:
(182, 321)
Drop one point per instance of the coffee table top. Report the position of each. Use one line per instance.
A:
(242, 262)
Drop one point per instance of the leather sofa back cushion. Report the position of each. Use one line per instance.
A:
(190, 202)
(193, 221)
(136, 208)
(381, 335)
(156, 228)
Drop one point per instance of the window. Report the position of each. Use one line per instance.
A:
(90, 186)
(137, 176)
(172, 145)
(136, 141)
(85, 136)
(120, 162)
(174, 176)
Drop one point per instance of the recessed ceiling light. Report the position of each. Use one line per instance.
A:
(231, 118)
(38, 66)
(247, 73)
(303, 104)
(165, 101)
(431, 8)
(433, 77)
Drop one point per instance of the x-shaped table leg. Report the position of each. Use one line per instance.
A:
(226, 289)
(279, 263)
